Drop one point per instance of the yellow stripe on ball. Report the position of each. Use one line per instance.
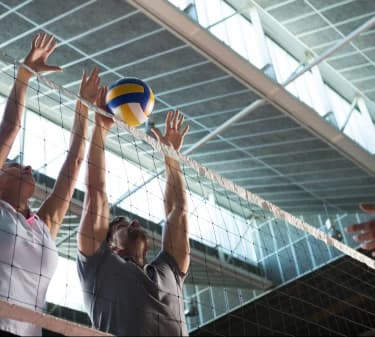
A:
(150, 104)
(128, 115)
(124, 89)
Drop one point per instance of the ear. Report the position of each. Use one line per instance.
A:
(114, 249)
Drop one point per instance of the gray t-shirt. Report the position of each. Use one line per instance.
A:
(127, 300)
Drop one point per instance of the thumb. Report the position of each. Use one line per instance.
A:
(46, 68)
(156, 133)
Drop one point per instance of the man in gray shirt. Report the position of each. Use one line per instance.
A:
(123, 295)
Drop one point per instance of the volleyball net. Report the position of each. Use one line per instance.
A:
(242, 246)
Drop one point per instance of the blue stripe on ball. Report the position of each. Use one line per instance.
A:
(146, 98)
(139, 98)
(109, 110)
(126, 81)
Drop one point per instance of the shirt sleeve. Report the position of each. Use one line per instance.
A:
(165, 263)
(87, 266)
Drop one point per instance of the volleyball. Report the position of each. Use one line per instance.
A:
(131, 99)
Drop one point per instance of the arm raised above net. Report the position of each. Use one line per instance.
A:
(176, 230)
(56, 205)
(42, 47)
(95, 215)
(364, 233)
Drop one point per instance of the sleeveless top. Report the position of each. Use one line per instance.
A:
(28, 261)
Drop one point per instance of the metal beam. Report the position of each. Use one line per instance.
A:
(337, 24)
(244, 112)
(245, 278)
(302, 174)
(199, 38)
(297, 48)
(253, 147)
(40, 26)
(261, 43)
(306, 15)
(364, 27)
(347, 39)
(357, 66)
(204, 140)
(350, 112)
(11, 10)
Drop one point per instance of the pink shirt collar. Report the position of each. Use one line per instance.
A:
(30, 220)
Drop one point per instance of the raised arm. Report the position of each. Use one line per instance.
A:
(365, 232)
(95, 215)
(42, 47)
(176, 229)
(56, 205)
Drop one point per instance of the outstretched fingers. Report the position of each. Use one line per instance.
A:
(84, 77)
(185, 130)
(49, 42)
(168, 120)
(367, 207)
(156, 132)
(38, 40)
(175, 121)
(361, 227)
(94, 77)
(101, 99)
(181, 120)
(51, 46)
(42, 40)
(35, 41)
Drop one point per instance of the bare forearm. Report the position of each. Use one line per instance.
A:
(96, 160)
(11, 123)
(79, 132)
(70, 170)
(175, 191)
(95, 218)
(57, 204)
(176, 230)
(17, 99)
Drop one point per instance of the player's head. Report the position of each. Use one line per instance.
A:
(127, 239)
(16, 179)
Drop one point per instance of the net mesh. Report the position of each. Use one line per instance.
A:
(242, 246)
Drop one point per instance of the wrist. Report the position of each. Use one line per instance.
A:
(172, 163)
(23, 74)
(101, 130)
(81, 107)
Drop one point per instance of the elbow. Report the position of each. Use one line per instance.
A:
(73, 164)
(184, 213)
(79, 160)
(180, 205)
(180, 211)
(183, 206)
(76, 161)
(96, 190)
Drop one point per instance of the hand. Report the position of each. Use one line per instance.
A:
(365, 232)
(89, 89)
(173, 136)
(41, 48)
(368, 208)
(100, 120)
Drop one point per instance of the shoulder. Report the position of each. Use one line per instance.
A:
(8, 217)
(166, 266)
(5, 207)
(100, 253)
